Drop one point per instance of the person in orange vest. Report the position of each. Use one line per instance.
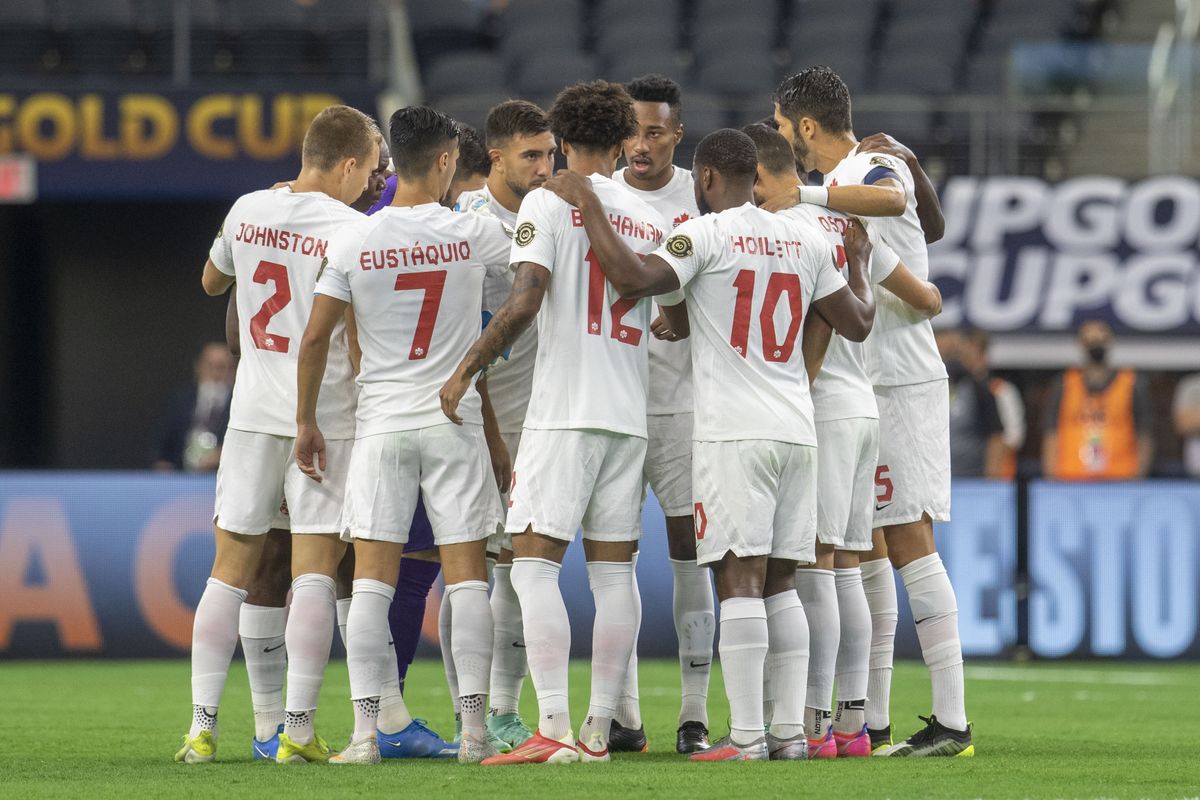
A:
(974, 353)
(1097, 425)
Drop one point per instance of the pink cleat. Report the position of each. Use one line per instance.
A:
(825, 747)
(853, 745)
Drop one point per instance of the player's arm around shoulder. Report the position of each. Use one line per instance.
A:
(849, 307)
(923, 297)
(929, 208)
(218, 269)
(876, 189)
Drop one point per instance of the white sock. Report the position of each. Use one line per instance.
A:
(629, 704)
(879, 585)
(261, 629)
(743, 650)
(367, 635)
(214, 638)
(472, 649)
(935, 611)
(547, 640)
(343, 615)
(508, 651)
(787, 662)
(393, 712)
(695, 627)
(446, 643)
(819, 595)
(613, 634)
(854, 649)
(309, 634)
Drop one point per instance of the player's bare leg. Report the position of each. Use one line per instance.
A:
(509, 666)
(935, 611)
(261, 627)
(215, 637)
(818, 592)
(464, 568)
(879, 585)
(695, 627)
(853, 657)
(313, 617)
(345, 588)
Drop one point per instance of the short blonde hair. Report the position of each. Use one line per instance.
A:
(338, 133)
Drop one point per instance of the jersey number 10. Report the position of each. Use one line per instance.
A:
(778, 285)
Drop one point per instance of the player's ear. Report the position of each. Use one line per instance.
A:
(494, 156)
(678, 133)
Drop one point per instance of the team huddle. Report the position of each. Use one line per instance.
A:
(472, 371)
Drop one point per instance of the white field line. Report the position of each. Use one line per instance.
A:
(1084, 676)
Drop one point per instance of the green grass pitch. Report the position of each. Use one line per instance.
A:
(88, 730)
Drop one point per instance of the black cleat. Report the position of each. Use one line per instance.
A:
(627, 740)
(692, 737)
(880, 739)
(935, 739)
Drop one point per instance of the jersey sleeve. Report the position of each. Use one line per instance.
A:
(823, 261)
(535, 234)
(492, 246)
(221, 253)
(333, 279)
(884, 259)
(688, 250)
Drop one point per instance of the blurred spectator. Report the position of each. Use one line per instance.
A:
(976, 434)
(1098, 420)
(196, 418)
(1186, 411)
(1008, 401)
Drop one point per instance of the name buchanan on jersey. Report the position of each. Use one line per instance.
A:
(288, 241)
(624, 226)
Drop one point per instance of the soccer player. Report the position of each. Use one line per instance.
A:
(584, 436)
(912, 480)
(521, 148)
(847, 424)
(668, 188)
(377, 182)
(273, 243)
(414, 273)
(473, 166)
(749, 277)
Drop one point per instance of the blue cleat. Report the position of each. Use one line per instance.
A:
(266, 751)
(415, 741)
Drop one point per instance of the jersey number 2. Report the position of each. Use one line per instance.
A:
(432, 283)
(270, 272)
(597, 294)
(778, 285)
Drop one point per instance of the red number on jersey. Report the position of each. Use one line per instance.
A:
(778, 285)
(269, 271)
(597, 293)
(432, 283)
(883, 484)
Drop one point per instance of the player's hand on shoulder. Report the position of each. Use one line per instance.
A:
(885, 144)
(451, 394)
(284, 185)
(857, 241)
(572, 187)
(310, 451)
(782, 202)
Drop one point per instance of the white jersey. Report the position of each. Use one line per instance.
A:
(843, 390)
(415, 278)
(749, 277)
(590, 371)
(901, 349)
(273, 243)
(670, 362)
(510, 380)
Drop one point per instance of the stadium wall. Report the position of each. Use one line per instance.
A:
(112, 565)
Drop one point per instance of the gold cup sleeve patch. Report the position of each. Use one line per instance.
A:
(525, 233)
(680, 246)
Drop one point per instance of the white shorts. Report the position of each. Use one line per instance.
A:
(847, 453)
(259, 486)
(447, 465)
(755, 498)
(913, 476)
(567, 478)
(501, 539)
(668, 468)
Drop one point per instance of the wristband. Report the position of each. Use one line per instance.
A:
(814, 195)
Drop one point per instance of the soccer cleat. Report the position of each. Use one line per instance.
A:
(728, 750)
(538, 749)
(509, 730)
(415, 741)
(595, 750)
(825, 747)
(881, 740)
(692, 737)
(265, 751)
(315, 752)
(793, 749)
(627, 740)
(853, 745)
(364, 751)
(473, 749)
(935, 739)
(198, 749)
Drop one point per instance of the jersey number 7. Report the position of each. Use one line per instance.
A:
(432, 283)
(778, 285)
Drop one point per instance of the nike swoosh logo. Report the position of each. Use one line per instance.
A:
(273, 649)
(701, 664)
(881, 507)
(261, 751)
(518, 644)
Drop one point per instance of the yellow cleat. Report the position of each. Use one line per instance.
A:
(315, 752)
(198, 749)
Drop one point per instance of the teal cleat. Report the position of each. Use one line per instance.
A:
(507, 732)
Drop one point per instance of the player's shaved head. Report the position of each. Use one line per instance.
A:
(336, 134)
(472, 158)
(729, 152)
(818, 93)
(655, 88)
(595, 115)
(774, 153)
(514, 118)
(419, 135)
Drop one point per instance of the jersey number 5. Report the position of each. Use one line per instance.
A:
(270, 272)
(778, 285)
(597, 294)
(432, 283)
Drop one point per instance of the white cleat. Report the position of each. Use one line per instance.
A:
(364, 751)
(594, 750)
(474, 748)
